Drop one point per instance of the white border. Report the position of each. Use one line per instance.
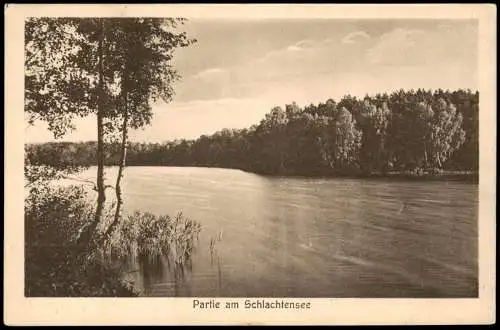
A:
(19, 310)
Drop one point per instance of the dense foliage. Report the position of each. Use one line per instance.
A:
(404, 131)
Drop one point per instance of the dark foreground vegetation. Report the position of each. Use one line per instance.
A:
(404, 134)
(58, 264)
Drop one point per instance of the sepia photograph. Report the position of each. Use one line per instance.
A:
(274, 159)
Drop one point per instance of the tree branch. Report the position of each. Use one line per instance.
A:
(88, 181)
(80, 180)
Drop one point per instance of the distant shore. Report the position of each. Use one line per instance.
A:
(472, 177)
(444, 175)
(466, 176)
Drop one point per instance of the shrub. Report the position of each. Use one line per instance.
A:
(55, 266)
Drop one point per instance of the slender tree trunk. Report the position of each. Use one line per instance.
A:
(87, 234)
(328, 153)
(425, 156)
(439, 160)
(101, 199)
(123, 156)
(282, 167)
(123, 151)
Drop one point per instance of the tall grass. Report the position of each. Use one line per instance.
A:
(146, 236)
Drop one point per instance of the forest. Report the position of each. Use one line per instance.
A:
(415, 131)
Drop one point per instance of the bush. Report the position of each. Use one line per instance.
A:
(55, 266)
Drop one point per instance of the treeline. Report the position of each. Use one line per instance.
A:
(416, 131)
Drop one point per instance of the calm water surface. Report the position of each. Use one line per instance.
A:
(300, 237)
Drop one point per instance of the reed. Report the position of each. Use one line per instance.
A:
(149, 238)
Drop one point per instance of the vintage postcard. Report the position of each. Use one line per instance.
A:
(250, 164)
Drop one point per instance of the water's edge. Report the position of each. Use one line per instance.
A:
(471, 177)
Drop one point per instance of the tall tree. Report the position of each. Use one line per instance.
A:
(101, 190)
(373, 121)
(63, 75)
(347, 140)
(272, 130)
(142, 52)
(77, 67)
(447, 134)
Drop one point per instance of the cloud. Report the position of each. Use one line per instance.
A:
(355, 37)
(395, 47)
(304, 45)
(241, 80)
(289, 72)
(294, 48)
(250, 78)
(422, 48)
(209, 73)
(301, 58)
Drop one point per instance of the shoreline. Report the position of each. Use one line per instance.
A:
(460, 176)
(451, 176)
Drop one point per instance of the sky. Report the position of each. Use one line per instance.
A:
(239, 69)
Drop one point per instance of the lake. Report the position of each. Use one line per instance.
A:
(302, 237)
